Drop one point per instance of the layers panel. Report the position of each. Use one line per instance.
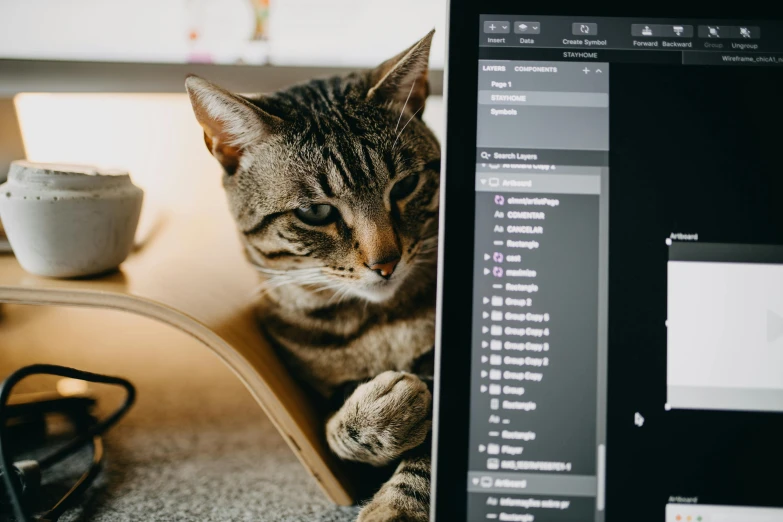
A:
(539, 346)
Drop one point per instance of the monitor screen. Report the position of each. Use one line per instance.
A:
(627, 351)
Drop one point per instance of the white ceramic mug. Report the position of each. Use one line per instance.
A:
(69, 220)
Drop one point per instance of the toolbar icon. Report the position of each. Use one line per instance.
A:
(584, 29)
(646, 30)
(746, 32)
(710, 31)
(527, 27)
(500, 27)
(674, 31)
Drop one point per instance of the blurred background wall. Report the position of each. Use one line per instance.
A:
(101, 81)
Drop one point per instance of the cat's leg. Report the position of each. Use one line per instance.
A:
(382, 419)
(405, 497)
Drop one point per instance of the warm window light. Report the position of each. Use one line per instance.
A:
(153, 136)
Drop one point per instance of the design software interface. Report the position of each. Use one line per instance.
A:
(627, 351)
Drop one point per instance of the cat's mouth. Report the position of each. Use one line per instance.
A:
(377, 289)
(380, 290)
(376, 294)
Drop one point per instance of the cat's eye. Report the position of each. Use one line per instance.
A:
(404, 187)
(317, 215)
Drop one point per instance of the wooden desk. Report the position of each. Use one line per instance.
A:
(192, 275)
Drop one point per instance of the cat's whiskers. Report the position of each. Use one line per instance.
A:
(327, 287)
(422, 267)
(405, 106)
(403, 129)
(275, 271)
(427, 245)
(333, 298)
(300, 277)
(345, 293)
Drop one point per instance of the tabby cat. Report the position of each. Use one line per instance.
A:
(334, 186)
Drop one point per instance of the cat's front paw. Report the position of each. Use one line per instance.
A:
(382, 419)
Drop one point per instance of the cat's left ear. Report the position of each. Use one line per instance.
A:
(230, 122)
(403, 79)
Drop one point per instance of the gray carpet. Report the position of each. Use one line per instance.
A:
(215, 474)
(195, 447)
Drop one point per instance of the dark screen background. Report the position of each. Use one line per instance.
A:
(692, 150)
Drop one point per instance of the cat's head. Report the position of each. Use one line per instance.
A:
(333, 183)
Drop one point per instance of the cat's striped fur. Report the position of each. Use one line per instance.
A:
(334, 187)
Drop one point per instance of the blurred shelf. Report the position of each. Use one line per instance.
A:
(73, 76)
(191, 274)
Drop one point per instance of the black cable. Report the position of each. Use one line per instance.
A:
(74, 445)
(81, 485)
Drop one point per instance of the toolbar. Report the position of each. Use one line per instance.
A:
(631, 33)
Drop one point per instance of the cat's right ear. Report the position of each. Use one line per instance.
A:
(231, 123)
(403, 79)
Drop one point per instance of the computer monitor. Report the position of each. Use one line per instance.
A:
(611, 312)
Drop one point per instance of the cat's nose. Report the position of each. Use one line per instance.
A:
(385, 268)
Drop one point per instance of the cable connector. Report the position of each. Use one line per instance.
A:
(27, 474)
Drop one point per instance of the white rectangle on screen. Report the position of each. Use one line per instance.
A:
(725, 336)
(715, 513)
